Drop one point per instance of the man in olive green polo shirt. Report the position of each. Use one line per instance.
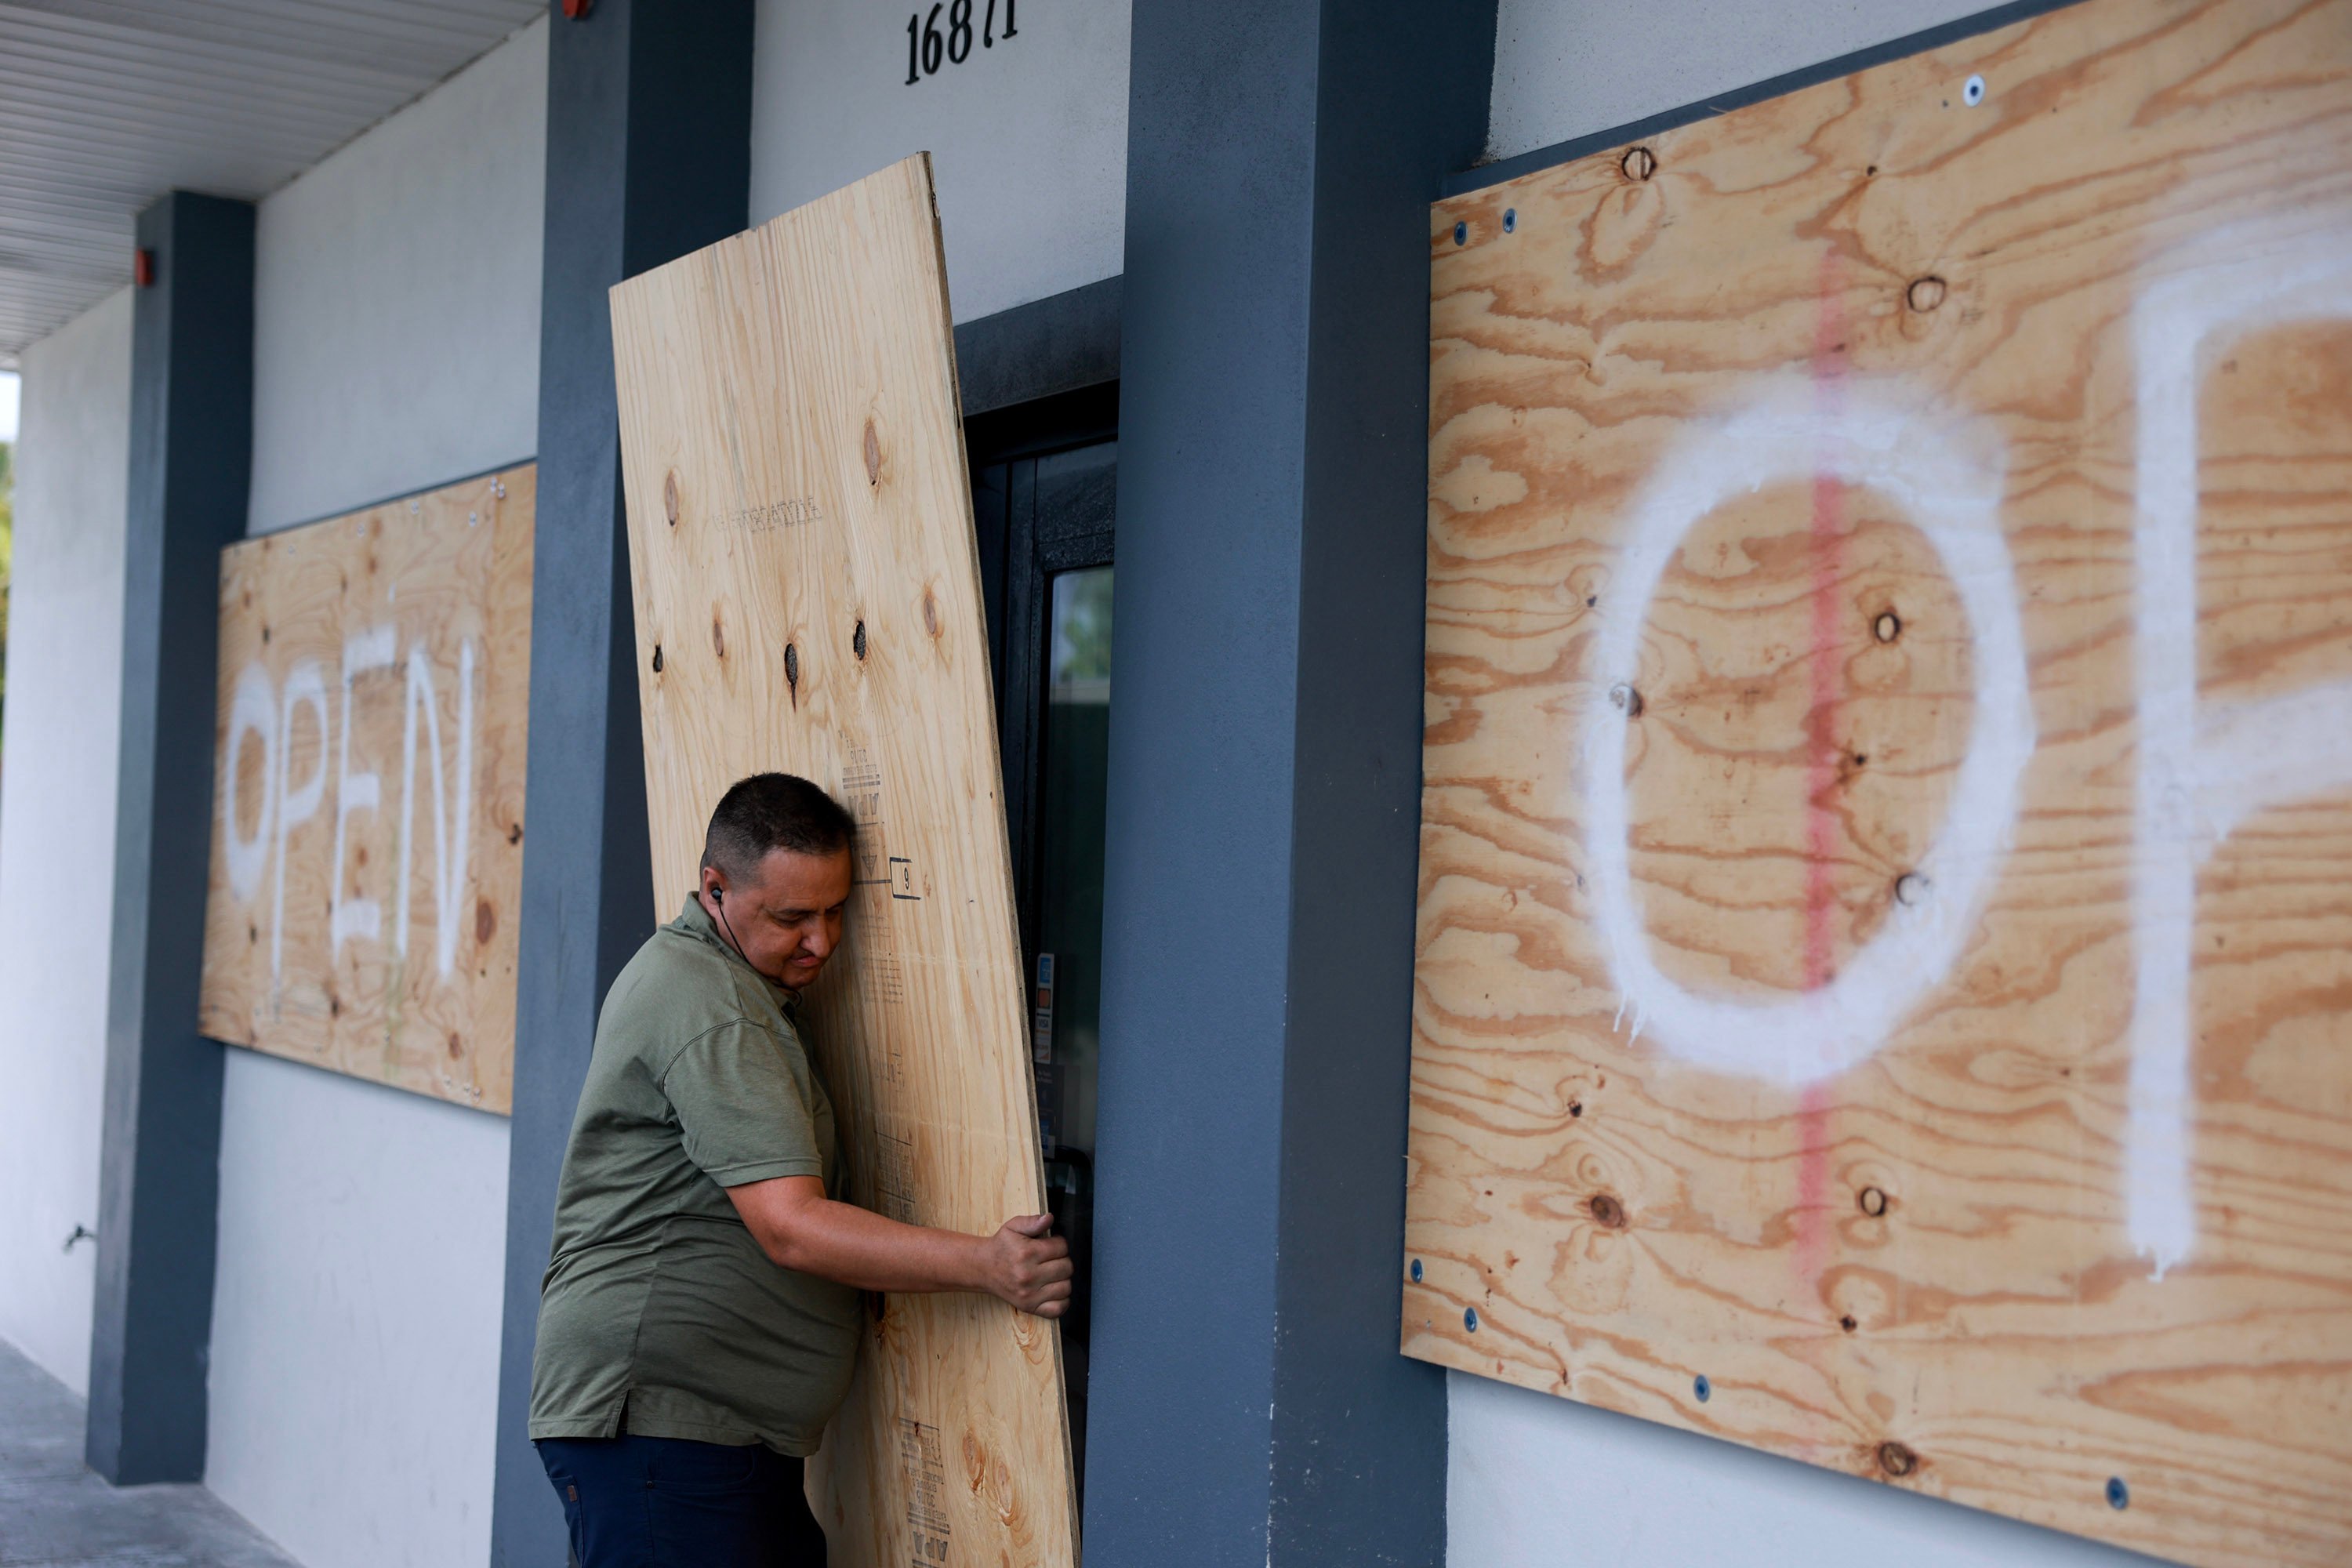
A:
(700, 1320)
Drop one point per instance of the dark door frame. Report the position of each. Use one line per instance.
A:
(1040, 386)
(1044, 490)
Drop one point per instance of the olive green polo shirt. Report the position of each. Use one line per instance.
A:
(659, 1315)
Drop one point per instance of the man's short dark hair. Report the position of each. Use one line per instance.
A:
(768, 812)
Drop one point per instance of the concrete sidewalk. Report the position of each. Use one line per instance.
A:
(56, 1513)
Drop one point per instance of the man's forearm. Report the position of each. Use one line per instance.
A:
(856, 1246)
(802, 1229)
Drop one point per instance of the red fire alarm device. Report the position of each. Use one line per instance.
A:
(143, 268)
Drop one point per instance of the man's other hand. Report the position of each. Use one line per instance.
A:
(1027, 1267)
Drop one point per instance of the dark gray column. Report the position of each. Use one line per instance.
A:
(1249, 1403)
(648, 156)
(191, 461)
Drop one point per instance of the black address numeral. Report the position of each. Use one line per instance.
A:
(928, 47)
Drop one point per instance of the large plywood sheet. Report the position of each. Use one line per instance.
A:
(368, 789)
(1883, 991)
(808, 595)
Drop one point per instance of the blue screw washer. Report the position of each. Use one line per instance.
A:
(1470, 1318)
(1704, 1389)
(1416, 1270)
(1461, 234)
(1510, 219)
(2119, 1494)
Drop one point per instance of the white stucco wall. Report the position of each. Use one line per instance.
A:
(56, 825)
(1027, 138)
(1565, 68)
(1531, 1480)
(355, 1321)
(395, 339)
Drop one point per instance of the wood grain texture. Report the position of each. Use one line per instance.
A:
(1883, 978)
(374, 688)
(807, 593)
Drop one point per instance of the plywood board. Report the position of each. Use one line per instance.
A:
(807, 593)
(368, 789)
(1885, 964)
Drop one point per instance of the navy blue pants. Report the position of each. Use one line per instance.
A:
(668, 1503)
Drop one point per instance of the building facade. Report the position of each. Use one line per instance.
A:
(1187, 251)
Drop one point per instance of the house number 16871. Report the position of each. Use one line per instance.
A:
(927, 46)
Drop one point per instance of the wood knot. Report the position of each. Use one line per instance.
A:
(657, 658)
(1873, 1201)
(718, 638)
(669, 497)
(1924, 294)
(1887, 626)
(930, 613)
(1640, 163)
(857, 641)
(1626, 700)
(1607, 1211)
(792, 669)
(1895, 1459)
(872, 454)
(457, 1045)
(1847, 1323)
(486, 922)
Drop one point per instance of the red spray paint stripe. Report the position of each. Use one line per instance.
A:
(1829, 368)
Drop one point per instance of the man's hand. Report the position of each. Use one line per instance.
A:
(1027, 1267)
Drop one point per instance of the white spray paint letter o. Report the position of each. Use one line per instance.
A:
(1946, 474)
(253, 710)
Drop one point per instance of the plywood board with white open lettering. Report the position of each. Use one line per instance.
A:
(1883, 981)
(368, 791)
(807, 592)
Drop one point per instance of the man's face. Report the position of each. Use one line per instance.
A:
(786, 918)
